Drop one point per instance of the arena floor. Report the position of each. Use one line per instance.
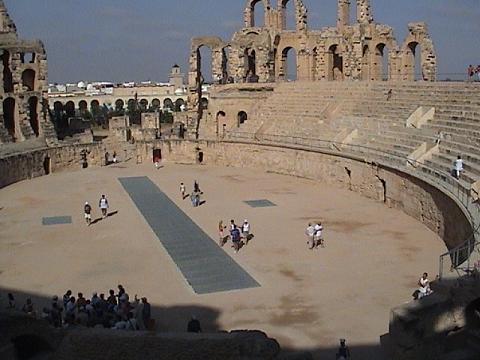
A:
(307, 299)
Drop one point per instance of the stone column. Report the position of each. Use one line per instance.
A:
(343, 14)
(364, 15)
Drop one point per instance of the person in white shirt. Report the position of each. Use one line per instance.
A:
(246, 231)
(318, 237)
(458, 167)
(103, 205)
(310, 232)
(424, 286)
(183, 190)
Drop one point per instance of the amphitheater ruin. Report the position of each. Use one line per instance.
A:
(361, 139)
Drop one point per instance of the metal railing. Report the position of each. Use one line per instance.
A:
(444, 181)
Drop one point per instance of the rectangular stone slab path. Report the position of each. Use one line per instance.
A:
(205, 266)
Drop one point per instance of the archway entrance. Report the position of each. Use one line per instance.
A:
(33, 114)
(335, 62)
(414, 62)
(381, 63)
(220, 119)
(288, 64)
(242, 117)
(9, 116)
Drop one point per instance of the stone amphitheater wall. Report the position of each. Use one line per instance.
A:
(398, 190)
(28, 165)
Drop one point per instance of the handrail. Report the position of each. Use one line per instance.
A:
(441, 179)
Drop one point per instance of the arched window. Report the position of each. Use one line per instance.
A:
(241, 118)
(33, 114)
(143, 104)
(156, 104)
(28, 79)
(119, 105)
(179, 105)
(258, 13)
(70, 109)
(288, 67)
(168, 104)
(381, 62)
(204, 102)
(9, 115)
(7, 73)
(335, 63)
(83, 107)
(414, 62)
(288, 14)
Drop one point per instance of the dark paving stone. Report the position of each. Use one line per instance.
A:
(205, 266)
(57, 220)
(259, 203)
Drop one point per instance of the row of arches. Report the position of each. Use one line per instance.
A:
(28, 75)
(120, 104)
(10, 115)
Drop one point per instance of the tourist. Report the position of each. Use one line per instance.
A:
(310, 232)
(114, 157)
(458, 167)
(88, 213)
(232, 225)
(107, 159)
(147, 314)
(81, 301)
(56, 314)
(477, 73)
(103, 205)
(194, 326)
(70, 311)
(131, 323)
(440, 137)
(235, 234)
(28, 307)
(343, 351)
(221, 234)
(183, 190)
(157, 163)
(246, 231)
(196, 187)
(318, 236)
(11, 301)
(66, 298)
(470, 72)
(424, 286)
(111, 300)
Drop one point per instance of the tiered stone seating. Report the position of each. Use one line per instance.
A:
(324, 109)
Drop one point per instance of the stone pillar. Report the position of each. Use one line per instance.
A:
(364, 15)
(343, 14)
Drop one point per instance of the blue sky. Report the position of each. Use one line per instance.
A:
(119, 40)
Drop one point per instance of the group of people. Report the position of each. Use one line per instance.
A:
(236, 233)
(314, 232)
(473, 73)
(114, 311)
(195, 195)
(102, 204)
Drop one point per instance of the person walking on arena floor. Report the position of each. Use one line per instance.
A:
(103, 205)
(235, 234)
(318, 236)
(183, 190)
(221, 233)
(88, 213)
(310, 232)
(246, 231)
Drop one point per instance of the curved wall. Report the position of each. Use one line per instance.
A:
(398, 190)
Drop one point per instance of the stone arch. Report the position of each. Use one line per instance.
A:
(242, 117)
(119, 104)
(251, 12)
(28, 79)
(314, 63)
(220, 119)
(285, 71)
(9, 107)
(250, 65)
(205, 54)
(366, 60)
(156, 104)
(70, 109)
(168, 104)
(412, 63)
(294, 19)
(334, 63)
(57, 107)
(178, 104)
(33, 114)
(83, 106)
(381, 62)
(27, 58)
(7, 72)
(143, 103)
(131, 105)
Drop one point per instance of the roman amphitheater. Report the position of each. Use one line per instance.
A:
(364, 141)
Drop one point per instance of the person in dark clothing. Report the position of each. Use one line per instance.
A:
(343, 351)
(194, 325)
(146, 312)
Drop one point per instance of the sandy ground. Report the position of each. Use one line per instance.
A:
(307, 299)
